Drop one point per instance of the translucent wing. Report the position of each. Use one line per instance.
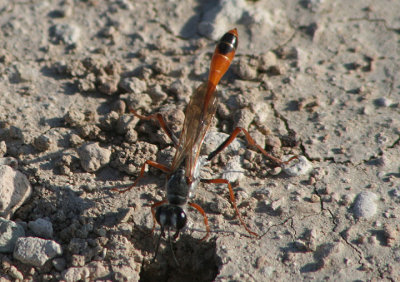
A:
(194, 129)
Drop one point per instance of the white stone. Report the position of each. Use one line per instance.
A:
(365, 205)
(14, 190)
(36, 251)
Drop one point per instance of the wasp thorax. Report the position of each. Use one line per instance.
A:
(178, 188)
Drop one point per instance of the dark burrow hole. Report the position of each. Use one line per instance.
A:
(197, 261)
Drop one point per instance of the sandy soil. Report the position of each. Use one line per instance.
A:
(312, 78)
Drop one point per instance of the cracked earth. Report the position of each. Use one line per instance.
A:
(310, 78)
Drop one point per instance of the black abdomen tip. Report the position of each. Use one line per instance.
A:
(228, 43)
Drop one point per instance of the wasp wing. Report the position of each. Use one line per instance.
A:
(197, 121)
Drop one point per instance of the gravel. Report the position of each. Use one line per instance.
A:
(315, 79)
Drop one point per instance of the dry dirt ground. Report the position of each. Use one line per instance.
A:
(314, 78)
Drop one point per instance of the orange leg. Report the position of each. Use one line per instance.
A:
(251, 142)
(148, 162)
(233, 201)
(158, 117)
(200, 209)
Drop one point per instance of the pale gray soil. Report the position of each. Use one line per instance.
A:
(313, 78)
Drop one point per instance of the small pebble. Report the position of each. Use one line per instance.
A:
(361, 239)
(266, 60)
(275, 205)
(108, 84)
(131, 136)
(233, 170)
(36, 251)
(396, 192)
(365, 205)
(347, 199)
(109, 121)
(41, 227)
(301, 246)
(273, 141)
(66, 33)
(76, 274)
(315, 198)
(74, 118)
(119, 106)
(142, 101)
(16, 133)
(391, 235)
(133, 85)
(275, 171)
(97, 269)
(244, 118)
(383, 102)
(244, 70)
(77, 260)
(75, 140)
(367, 110)
(214, 139)
(297, 167)
(43, 143)
(93, 157)
(181, 90)
(126, 123)
(157, 94)
(373, 240)
(64, 10)
(278, 69)
(162, 65)
(127, 272)
(25, 73)
(15, 273)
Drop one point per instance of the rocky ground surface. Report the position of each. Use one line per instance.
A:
(317, 79)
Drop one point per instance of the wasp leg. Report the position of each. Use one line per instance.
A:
(251, 142)
(150, 163)
(158, 117)
(203, 213)
(233, 200)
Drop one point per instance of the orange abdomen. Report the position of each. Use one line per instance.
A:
(223, 56)
(221, 60)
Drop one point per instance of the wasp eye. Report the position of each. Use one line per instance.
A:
(181, 219)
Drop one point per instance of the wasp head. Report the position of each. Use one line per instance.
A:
(171, 216)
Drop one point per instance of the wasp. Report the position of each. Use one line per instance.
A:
(183, 175)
